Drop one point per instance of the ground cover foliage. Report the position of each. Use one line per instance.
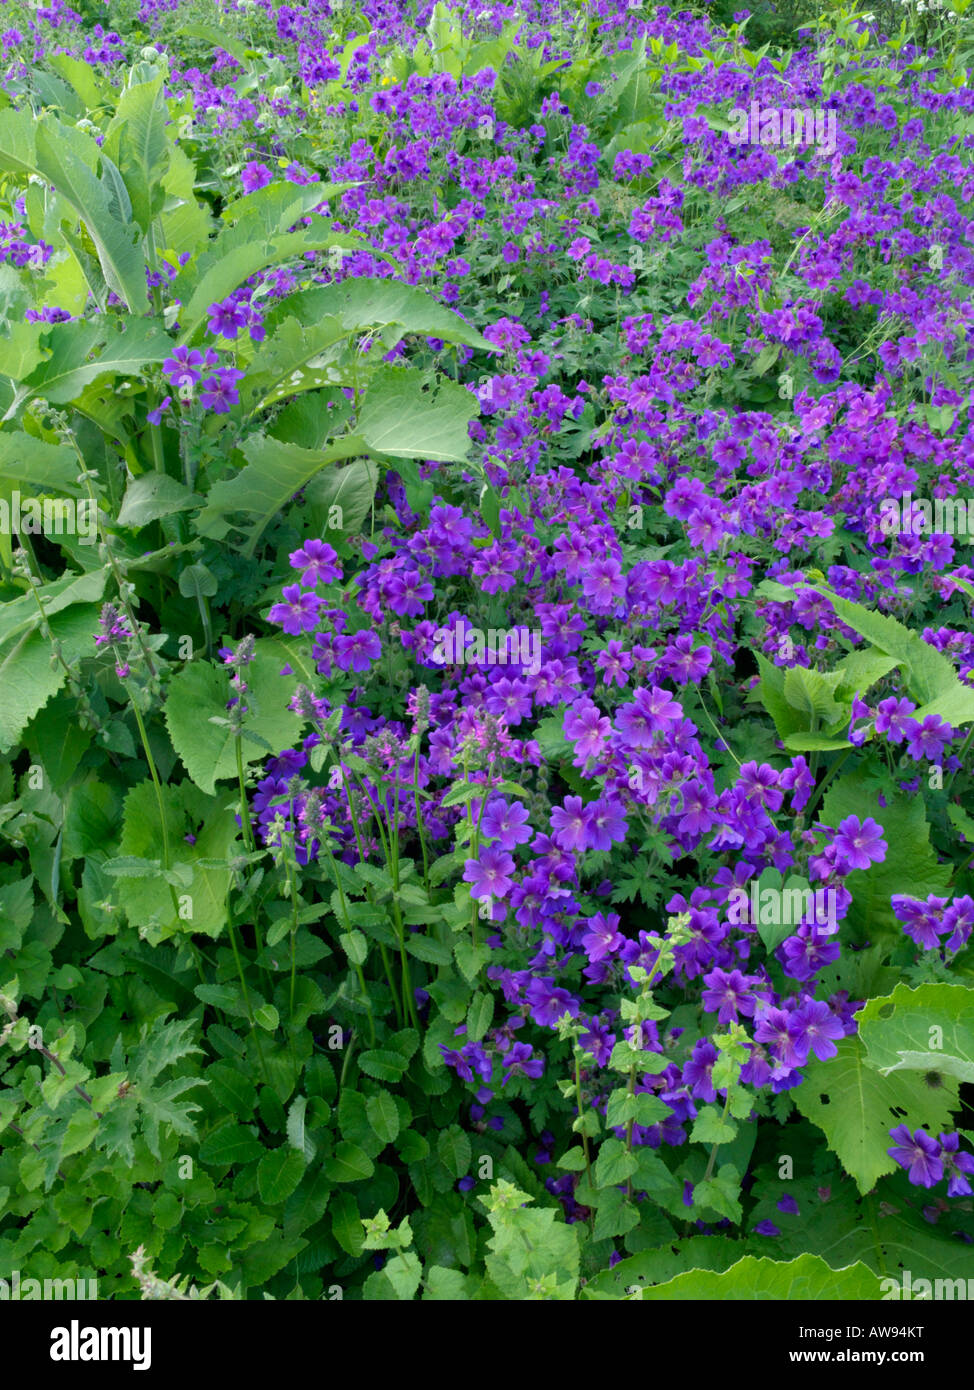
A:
(486, 797)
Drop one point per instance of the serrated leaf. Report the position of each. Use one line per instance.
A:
(928, 1029)
(855, 1108)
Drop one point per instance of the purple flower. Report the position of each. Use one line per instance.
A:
(549, 1002)
(489, 876)
(356, 651)
(507, 824)
(859, 844)
(254, 176)
(919, 1153)
(812, 1028)
(298, 613)
(956, 1165)
(318, 561)
(219, 392)
(521, 1061)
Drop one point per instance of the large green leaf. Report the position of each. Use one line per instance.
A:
(67, 158)
(405, 416)
(362, 304)
(27, 677)
(257, 237)
(75, 360)
(21, 615)
(929, 675)
(148, 898)
(929, 1029)
(274, 472)
(855, 1108)
(137, 143)
(18, 130)
(30, 463)
(288, 362)
(910, 858)
(201, 690)
(759, 1279)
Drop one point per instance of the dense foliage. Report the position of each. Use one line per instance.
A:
(487, 809)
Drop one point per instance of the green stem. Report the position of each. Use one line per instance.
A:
(349, 928)
(585, 1144)
(246, 995)
(369, 894)
(419, 822)
(248, 829)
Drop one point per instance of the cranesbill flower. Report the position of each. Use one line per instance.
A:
(812, 1028)
(357, 650)
(892, 718)
(922, 921)
(521, 1061)
(490, 875)
(298, 612)
(729, 994)
(549, 1002)
(650, 712)
(919, 1153)
(570, 824)
(318, 561)
(219, 392)
(929, 738)
(859, 844)
(603, 937)
(505, 823)
(956, 1165)
(255, 175)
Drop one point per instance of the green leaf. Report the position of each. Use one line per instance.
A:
(27, 678)
(406, 417)
(201, 690)
(614, 1164)
(230, 1144)
(928, 673)
(30, 464)
(67, 158)
(297, 1135)
(711, 1128)
(382, 1064)
(232, 1089)
(361, 304)
(349, 1163)
(454, 1150)
(268, 1018)
(855, 1108)
(274, 472)
(278, 1174)
(136, 140)
(756, 1279)
(256, 240)
(929, 1029)
(73, 361)
(910, 858)
(383, 1116)
(811, 694)
(152, 496)
(573, 1160)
